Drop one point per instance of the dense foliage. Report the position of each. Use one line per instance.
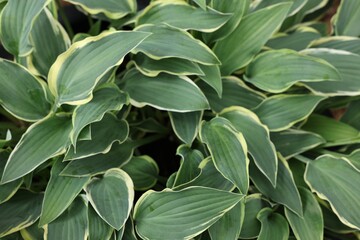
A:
(260, 99)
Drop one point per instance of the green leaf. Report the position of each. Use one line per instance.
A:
(332, 222)
(178, 94)
(186, 125)
(160, 44)
(354, 158)
(201, 3)
(68, 81)
(327, 173)
(30, 92)
(340, 134)
(181, 15)
(6, 139)
(285, 191)
(183, 214)
(295, 7)
(174, 66)
(72, 223)
(60, 193)
(50, 138)
(311, 225)
(49, 40)
(103, 135)
(16, 21)
(236, 8)
(229, 226)
(129, 231)
(33, 232)
(7, 190)
(350, 44)
(98, 229)
(105, 99)
(298, 40)
(212, 76)
(273, 225)
(143, 171)
(228, 149)
(257, 139)
(235, 93)
(119, 155)
(21, 211)
(292, 142)
(251, 225)
(265, 74)
(238, 49)
(280, 112)
(352, 114)
(110, 8)
(112, 196)
(347, 17)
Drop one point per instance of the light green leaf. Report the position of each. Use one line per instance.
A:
(327, 173)
(229, 226)
(285, 191)
(50, 138)
(347, 17)
(49, 40)
(103, 135)
(112, 196)
(212, 76)
(181, 15)
(105, 99)
(186, 125)
(346, 63)
(60, 193)
(265, 74)
(235, 93)
(236, 8)
(110, 8)
(183, 214)
(298, 40)
(257, 139)
(340, 134)
(160, 44)
(178, 94)
(143, 171)
(119, 155)
(75, 73)
(238, 49)
(273, 225)
(21, 211)
(7, 190)
(98, 229)
(30, 92)
(174, 66)
(292, 142)
(72, 223)
(5, 140)
(228, 150)
(350, 44)
(280, 112)
(311, 225)
(251, 225)
(16, 21)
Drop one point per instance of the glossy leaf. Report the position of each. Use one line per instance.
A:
(30, 92)
(112, 196)
(17, 19)
(21, 211)
(60, 193)
(238, 49)
(327, 173)
(311, 225)
(50, 138)
(257, 139)
(186, 125)
(347, 17)
(285, 191)
(228, 150)
(72, 223)
(273, 225)
(181, 15)
(265, 74)
(143, 171)
(178, 94)
(98, 228)
(67, 79)
(280, 112)
(181, 213)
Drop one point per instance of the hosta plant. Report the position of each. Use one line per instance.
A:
(195, 119)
